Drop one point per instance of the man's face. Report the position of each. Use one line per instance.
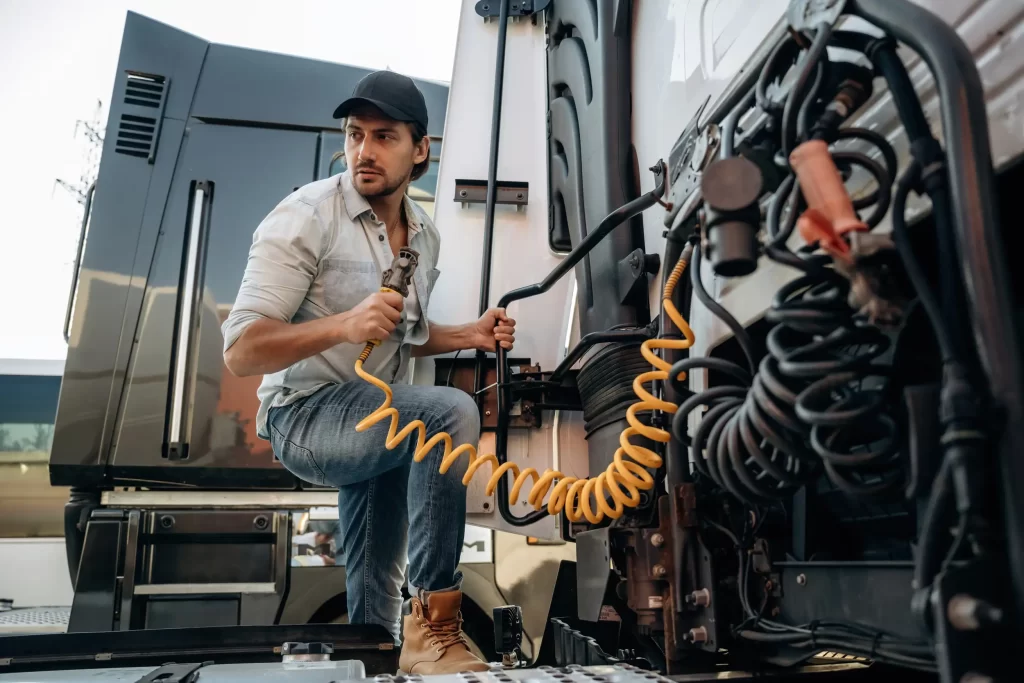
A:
(380, 152)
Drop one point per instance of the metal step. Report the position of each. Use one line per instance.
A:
(31, 620)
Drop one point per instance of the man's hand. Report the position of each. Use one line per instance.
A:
(375, 317)
(494, 328)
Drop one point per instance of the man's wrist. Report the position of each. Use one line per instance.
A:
(470, 338)
(339, 330)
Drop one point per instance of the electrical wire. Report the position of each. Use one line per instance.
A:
(451, 368)
(740, 332)
(809, 66)
(622, 481)
(914, 272)
(848, 637)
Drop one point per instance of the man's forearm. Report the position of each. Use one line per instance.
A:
(269, 346)
(447, 338)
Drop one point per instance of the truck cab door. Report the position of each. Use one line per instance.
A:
(229, 178)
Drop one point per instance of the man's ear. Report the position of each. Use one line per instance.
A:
(422, 150)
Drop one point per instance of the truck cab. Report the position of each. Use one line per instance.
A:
(767, 355)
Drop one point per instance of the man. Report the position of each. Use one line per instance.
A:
(308, 303)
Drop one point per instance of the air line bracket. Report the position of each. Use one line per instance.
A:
(491, 9)
(511, 192)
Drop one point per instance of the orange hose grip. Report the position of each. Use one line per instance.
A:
(830, 213)
(374, 342)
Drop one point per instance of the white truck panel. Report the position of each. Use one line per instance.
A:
(520, 245)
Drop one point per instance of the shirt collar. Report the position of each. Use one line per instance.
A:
(356, 204)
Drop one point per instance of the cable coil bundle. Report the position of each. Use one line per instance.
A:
(817, 401)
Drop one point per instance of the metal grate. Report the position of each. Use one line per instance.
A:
(34, 620)
(144, 90)
(139, 125)
(135, 135)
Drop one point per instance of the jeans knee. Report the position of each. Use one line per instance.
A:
(464, 415)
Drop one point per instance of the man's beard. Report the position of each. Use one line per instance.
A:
(389, 187)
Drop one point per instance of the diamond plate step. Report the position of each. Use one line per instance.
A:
(34, 620)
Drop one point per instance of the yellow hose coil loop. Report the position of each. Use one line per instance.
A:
(622, 481)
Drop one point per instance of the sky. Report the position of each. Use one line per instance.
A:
(58, 57)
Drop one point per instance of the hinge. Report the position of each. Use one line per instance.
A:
(491, 9)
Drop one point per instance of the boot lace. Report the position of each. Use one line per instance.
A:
(445, 634)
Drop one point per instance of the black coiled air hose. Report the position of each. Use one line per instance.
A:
(818, 401)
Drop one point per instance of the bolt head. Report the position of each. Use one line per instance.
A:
(697, 635)
(658, 570)
(657, 540)
(801, 580)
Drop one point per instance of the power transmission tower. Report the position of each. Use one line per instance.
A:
(89, 136)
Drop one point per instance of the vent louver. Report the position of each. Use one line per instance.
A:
(138, 130)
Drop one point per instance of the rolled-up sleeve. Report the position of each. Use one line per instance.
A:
(283, 262)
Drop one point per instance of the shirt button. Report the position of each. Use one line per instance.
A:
(381, 237)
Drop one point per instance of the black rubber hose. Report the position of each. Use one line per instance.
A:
(883, 194)
(808, 69)
(913, 268)
(803, 123)
(730, 123)
(787, 50)
(742, 336)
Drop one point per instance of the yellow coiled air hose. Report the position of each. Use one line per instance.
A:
(623, 480)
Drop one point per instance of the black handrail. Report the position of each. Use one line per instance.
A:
(492, 190)
(78, 261)
(610, 222)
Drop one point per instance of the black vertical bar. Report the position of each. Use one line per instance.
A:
(131, 553)
(492, 189)
(317, 159)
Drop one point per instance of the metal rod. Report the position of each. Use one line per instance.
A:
(78, 260)
(492, 185)
(980, 244)
(611, 221)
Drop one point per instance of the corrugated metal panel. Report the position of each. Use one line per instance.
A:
(994, 32)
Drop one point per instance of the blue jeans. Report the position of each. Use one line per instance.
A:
(383, 494)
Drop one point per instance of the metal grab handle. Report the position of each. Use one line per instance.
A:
(613, 220)
(78, 261)
(187, 323)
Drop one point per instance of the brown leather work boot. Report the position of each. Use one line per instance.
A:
(432, 638)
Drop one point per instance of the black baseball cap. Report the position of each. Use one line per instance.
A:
(394, 94)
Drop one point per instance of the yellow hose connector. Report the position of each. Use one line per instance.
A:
(622, 480)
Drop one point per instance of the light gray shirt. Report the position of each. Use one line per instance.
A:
(318, 253)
